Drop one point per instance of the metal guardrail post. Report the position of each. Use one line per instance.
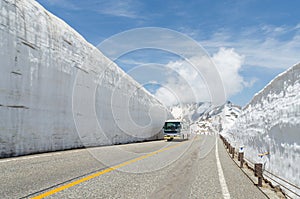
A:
(233, 150)
(255, 170)
(241, 155)
(259, 173)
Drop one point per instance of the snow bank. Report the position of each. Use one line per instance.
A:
(43, 60)
(271, 123)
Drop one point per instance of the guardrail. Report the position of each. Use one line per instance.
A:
(260, 172)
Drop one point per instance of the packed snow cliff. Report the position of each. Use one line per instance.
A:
(270, 123)
(59, 92)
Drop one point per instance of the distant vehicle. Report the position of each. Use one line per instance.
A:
(172, 129)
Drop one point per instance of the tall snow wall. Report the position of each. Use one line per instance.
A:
(271, 123)
(59, 92)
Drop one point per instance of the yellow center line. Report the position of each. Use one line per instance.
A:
(66, 186)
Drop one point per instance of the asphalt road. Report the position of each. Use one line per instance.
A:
(159, 169)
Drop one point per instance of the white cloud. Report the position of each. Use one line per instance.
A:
(189, 86)
(120, 8)
(183, 85)
(264, 46)
(229, 63)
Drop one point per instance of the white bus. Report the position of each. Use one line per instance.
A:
(172, 129)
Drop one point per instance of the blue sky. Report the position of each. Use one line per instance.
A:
(257, 38)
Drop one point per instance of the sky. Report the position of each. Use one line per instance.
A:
(249, 41)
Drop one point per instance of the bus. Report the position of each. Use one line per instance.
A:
(172, 129)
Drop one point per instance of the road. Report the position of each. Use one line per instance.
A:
(197, 168)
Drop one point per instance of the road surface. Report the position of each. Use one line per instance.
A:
(197, 168)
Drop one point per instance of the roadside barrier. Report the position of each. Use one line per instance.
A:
(277, 179)
(261, 173)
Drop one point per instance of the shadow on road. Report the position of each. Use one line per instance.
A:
(177, 140)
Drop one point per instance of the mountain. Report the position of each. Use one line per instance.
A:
(204, 117)
(189, 112)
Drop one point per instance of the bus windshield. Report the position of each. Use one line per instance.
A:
(172, 126)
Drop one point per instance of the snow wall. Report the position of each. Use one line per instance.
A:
(271, 123)
(59, 92)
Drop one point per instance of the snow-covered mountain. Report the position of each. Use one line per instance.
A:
(203, 117)
(189, 112)
(271, 123)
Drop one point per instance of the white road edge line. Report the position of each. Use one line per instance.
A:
(222, 180)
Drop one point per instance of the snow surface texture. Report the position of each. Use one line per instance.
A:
(42, 61)
(205, 118)
(271, 123)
